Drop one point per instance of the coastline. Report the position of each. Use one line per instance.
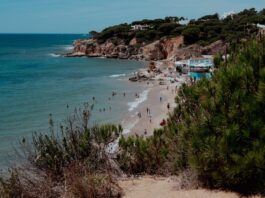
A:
(156, 98)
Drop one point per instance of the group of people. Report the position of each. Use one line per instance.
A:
(114, 93)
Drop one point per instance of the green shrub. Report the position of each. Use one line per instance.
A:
(191, 35)
(223, 120)
(52, 157)
(217, 128)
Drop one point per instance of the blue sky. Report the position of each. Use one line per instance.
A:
(81, 16)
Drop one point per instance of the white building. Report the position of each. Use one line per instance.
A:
(140, 27)
(184, 22)
(204, 64)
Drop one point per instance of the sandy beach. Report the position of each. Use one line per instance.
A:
(155, 103)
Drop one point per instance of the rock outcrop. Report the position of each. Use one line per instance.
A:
(164, 49)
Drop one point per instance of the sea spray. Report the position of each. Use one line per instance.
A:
(68, 47)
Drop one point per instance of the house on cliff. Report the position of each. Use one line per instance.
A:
(140, 27)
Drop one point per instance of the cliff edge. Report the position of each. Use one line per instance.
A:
(163, 49)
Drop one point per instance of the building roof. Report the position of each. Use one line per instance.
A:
(201, 62)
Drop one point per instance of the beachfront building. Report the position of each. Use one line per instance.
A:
(200, 64)
(203, 64)
(200, 67)
(196, 68)
(140, 27)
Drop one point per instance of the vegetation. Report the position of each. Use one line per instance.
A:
(204, 30)
(217, 129)
(72, 162)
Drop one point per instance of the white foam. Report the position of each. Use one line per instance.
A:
(54, 55)
(138, 101)
(127, 129)
(68, 47)
(117, 75)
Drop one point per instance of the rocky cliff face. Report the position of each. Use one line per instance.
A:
(164, 49)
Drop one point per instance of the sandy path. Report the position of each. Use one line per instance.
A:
(160, 187)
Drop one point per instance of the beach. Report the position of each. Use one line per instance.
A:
(153, 105)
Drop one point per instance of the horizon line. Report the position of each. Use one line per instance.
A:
(38, 33)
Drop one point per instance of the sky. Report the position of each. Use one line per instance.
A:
(82, 16)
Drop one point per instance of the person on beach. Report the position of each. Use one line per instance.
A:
(147, 111)
(145, 131)
(161, 99)
(124, 94)
(168, 106)
(139, 115)
(93, 98)
(163, 123)
(92, 107)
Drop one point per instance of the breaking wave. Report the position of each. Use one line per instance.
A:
(54, 55)
(138, 101)
(117, 75)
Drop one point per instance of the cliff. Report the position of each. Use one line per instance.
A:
(163, 49)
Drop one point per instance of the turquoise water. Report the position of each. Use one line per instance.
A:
(198, 76)
(35, 82)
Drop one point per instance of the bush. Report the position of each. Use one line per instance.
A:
(76, 151)
(143, 155)
(217, 128)
(81, 182)
(224, 120)
(191, 35)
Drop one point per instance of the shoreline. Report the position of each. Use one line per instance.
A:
(158, 96)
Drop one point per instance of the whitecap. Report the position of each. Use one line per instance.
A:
(69, 47)
(54, 55)
(117, 75)
(138, 101)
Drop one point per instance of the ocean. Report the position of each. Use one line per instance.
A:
(36, 82)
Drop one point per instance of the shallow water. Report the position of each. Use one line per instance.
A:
(36, 82)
